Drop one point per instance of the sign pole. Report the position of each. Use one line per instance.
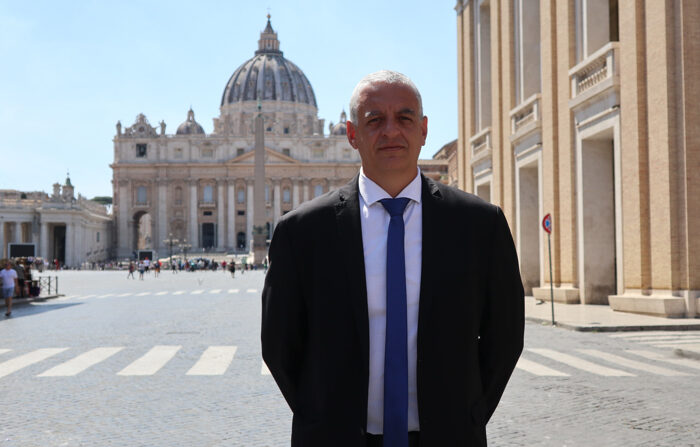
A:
(547, 225)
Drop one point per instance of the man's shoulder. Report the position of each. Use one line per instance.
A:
(456, 199)
(318, 208)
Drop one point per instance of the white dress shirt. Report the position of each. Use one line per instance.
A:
(375, 226)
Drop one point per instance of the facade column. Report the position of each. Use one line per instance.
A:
(295, 192)
(220, 215)
(306, 190)
(193, 224)
(231, 216)
(162, 232)
(16, 229)
(124, 209)
(276, 204)
(249, 214)
(69, 249)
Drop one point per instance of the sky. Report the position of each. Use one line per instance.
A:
(70, 70)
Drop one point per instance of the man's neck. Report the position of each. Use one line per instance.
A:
(393, 185)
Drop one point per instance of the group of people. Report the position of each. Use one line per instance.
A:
(16, 280)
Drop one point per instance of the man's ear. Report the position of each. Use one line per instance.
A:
(351, 132)
(424, 128)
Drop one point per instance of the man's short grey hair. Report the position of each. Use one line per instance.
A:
(382, 77)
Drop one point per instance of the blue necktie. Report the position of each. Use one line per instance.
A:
(396, 351)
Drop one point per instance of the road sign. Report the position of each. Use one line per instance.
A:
(547, 223)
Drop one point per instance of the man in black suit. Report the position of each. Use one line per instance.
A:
(393, 309)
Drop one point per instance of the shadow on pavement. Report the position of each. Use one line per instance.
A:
(29, 309)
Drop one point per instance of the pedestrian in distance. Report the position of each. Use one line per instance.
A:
(131, 271)
(142, 269)
(372, 340)
(232, 269)
(10, 286)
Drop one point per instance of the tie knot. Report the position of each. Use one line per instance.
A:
(395, 207)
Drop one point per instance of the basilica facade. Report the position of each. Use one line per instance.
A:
(198, 188)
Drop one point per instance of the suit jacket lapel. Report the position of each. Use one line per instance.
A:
(347, 211)
(432, 243)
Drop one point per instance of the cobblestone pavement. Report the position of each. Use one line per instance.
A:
(175, 361)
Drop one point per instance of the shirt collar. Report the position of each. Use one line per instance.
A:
(372, 193)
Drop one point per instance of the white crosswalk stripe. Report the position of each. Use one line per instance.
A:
(161, 293)
(151, 362)
(88, 296)
(215, 291)
(213, 362)
(143, 294)
(81, 362)
(197, 292)
(688, 363)
(124, 294)
(106, 295)
(264, 370)
(578, 363)
(2, 351)
(633, 364)
(179, 292)
(233, 290)
(252, 290)
(537, 369)
(9, 366)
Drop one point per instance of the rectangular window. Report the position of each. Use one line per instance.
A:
(98, 236)
(317, 153)
(240, 151)
(207, 213)
(241, 196)
(285, 151)
(207, 153)
(208, 194)
(141, 195)
(141, 150)
(286, 130)
(241, 213)
(178, 152)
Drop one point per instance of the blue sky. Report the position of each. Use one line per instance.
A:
(70, 70)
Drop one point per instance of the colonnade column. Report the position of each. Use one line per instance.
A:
(306, 190)
(193, 233)
(220, 214)
(231, 215)
(124, 204)
(43, 240)
(249, 214)
(2, 239)
(276, 205)
(16, 236)
(295, 192)
(69, 249)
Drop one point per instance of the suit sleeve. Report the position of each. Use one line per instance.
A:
(283, 316)
(502, 321)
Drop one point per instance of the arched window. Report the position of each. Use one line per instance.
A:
(267, 193)
(318, 190)
(241, 196)
(286, 195)
(178, 196)
(141, 195)
(208, 194)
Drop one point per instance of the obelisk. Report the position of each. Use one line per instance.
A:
(260, 213)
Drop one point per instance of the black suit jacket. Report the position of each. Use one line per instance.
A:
(315, 327)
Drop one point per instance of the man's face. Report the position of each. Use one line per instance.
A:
(389, 132)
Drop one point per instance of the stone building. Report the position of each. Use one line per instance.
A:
(588, 110)
(199, 187)
(61, 226)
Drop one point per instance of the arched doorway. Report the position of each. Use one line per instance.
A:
(240, 240)
(143, 231)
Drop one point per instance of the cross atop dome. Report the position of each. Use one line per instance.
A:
(268, 42)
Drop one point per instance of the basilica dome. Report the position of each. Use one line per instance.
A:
(190, 126)
(268, 76)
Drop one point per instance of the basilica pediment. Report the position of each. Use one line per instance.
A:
(271, 157)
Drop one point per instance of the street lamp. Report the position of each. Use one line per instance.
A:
(184, 246)
(170, 241)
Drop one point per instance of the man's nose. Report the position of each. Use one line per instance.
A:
(391, 127)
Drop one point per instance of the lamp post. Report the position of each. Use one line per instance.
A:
(170, 241)
(184, 246)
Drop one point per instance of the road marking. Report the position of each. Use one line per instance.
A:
(150, 362)
(161, 293)
(656, 356)
(88, 296)
(664, 337)
(124, 294)
(81, 362)
(578, 363)
(105, 295)
(265, 371)
(655, 334)
(685, 341)
(213, 362)
(198, 292)
(2, 351)
(252, 290)
(537, 369)
(179, 292)
(215, 291)
(9, 366)
(143, 293)
(633, 364)
(233, 290)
